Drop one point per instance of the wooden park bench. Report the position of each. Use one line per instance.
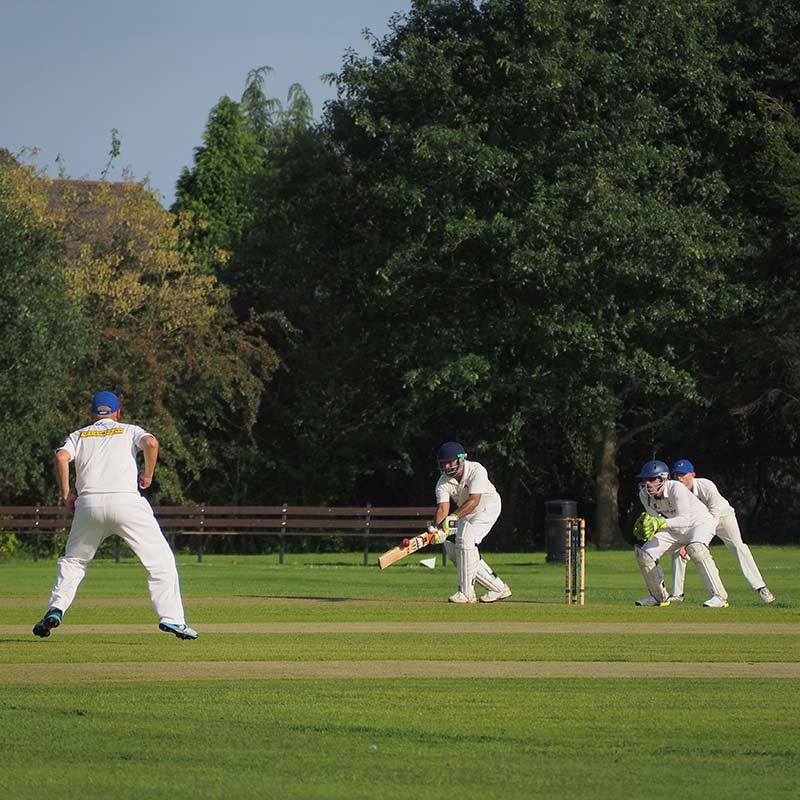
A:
(367, 523)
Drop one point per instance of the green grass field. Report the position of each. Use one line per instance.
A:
(706, 704)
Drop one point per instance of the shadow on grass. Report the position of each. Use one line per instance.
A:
(301, 597)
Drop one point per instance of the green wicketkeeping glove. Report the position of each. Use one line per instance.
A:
(645, 527)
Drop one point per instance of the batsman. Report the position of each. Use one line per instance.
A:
(466, 485)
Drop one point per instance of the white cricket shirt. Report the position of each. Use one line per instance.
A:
(474, 480)
(710, 496)
(105, 456)
(677, 505)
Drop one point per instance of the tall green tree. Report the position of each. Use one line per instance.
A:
(42, 334)
(531, 174)
(165, 338)
(216, 194)
(525, 224)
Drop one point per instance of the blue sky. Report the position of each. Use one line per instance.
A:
(72, 71)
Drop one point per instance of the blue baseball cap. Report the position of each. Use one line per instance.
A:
(105, 403)
(684, 466)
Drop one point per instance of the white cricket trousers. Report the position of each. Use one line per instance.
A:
(129, 516)
(728, 531)
(471, 531)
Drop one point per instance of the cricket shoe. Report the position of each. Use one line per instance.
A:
(766, 595)
(181, 631)
(52, 619)
(651, 601)
(675, 598)
(462, 599)
(715, 601)
(492, 596)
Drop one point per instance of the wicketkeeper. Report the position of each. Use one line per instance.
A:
(466, 484)
(673, 518)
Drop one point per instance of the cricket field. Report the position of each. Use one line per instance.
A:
(322, 678)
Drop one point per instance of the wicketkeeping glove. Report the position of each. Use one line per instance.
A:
(646, 526)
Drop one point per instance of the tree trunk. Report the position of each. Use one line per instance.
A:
(607, 532)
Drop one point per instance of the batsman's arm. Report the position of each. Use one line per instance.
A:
(469, 505)
(442, 510)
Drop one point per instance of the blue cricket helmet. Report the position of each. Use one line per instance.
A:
(654, 469)
(448, 452)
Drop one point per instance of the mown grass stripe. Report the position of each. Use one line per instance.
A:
(498, 627)
(362, 670)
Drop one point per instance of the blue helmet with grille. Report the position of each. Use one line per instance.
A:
(657, 473)
(450, 458)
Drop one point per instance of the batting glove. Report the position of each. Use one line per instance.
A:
(450, 525)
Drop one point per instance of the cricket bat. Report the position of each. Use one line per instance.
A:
(407, 547)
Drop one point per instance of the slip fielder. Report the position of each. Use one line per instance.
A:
(727, 528)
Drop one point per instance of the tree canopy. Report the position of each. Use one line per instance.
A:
(42, 331)
(565, 234)
(537, 230)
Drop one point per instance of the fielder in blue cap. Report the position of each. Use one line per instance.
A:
(727, 528)
(105, 403)
(107, 500)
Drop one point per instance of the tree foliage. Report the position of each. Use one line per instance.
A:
(541, 221)
(535, 163)
(164, 337)
(564, 233)
(217, 193)
(41, 329)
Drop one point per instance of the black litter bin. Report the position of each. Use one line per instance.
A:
(556, 512)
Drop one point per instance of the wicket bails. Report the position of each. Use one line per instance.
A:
(575, 585)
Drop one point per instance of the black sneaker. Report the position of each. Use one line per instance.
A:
(52, 619)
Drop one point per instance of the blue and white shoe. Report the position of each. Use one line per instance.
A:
(52, 619)
(181, 631)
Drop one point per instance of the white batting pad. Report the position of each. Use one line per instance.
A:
(653, 576)
(707, 568)
(467, 560)
(450, 549)
(486, 577)
(678, 573)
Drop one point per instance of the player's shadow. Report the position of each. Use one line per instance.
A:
(299, 597)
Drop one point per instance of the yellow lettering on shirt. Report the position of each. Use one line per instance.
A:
(108, 432)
